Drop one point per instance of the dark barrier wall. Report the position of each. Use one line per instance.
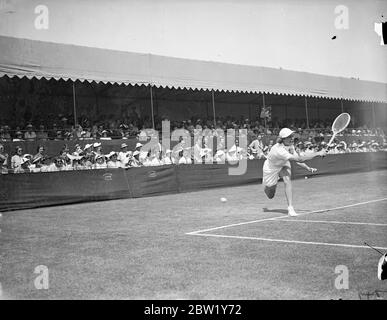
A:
(19, 191)
(49, 188)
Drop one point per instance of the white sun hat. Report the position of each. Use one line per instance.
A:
(285, 132)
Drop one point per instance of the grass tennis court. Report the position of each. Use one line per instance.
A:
(193, 246)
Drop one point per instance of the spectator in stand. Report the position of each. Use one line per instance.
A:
(113, 161)
(68, 160)
(99, 131)
(89, 160)
(331, 149)
(231, 155)
(300, 148)
(86, 134)
(76, 165)
(123, 155)
(257, 147)
(220, 157)
(143, 154)
(7, 133)
(166, 158)
(29, 135)
(17, 158)
(58, 165)
(353, 147)
(308, 147)
(18, 136)
(145, 161)
(85, 162)
(52, 133)
(362, 147)
(77, 132)
(38, 157)
(3, 160)
(105, 135)
(153, 159)
(207, 154)
(78, 150)
(59, 135)
(198, 152)
(4, 133)
(97, 149)
(93, 131)
(270, 145)
(35, 165)
(46, 163)
(131, 159)
(100, 162)
(185, 156)
(41, 134)
(24, 166)
(65, 151)
(374, 146)
(135, 162)
(121, 131)
(341, 147)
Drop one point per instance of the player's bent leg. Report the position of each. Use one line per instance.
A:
(286, 174)
(288, 190)
(270, 191)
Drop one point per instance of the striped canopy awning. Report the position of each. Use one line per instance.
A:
(38, 59)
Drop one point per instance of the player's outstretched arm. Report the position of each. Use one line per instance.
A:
(306, 167)
(308, 156)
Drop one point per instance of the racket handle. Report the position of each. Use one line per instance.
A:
(330, 141)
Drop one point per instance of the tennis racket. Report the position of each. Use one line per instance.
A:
(340, 123)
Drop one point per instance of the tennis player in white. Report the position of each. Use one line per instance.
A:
(277, 165)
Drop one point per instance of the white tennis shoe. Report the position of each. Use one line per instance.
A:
(291, 212)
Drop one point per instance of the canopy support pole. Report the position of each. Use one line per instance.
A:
(151, 100)
(213, 106)
(74, 105)
(373, 115)
(306, 112)
(264, 107)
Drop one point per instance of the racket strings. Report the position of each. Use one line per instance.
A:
(341, 122)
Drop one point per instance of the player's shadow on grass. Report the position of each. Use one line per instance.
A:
(283, 211)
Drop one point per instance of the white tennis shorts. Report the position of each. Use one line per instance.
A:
(271, 175)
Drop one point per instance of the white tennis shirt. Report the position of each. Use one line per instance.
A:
(277, 158)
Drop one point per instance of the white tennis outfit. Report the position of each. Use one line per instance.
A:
(277, 160)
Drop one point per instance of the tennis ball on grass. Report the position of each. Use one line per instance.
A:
(223, 199)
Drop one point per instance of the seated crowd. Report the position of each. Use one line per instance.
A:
(91, 156)
(61, 128)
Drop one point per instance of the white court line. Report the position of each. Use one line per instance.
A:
(285, 216)
(288, 241)
(236, 224)
(338, 222)
(344, 207)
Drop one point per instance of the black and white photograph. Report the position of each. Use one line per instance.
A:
(193, 155)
